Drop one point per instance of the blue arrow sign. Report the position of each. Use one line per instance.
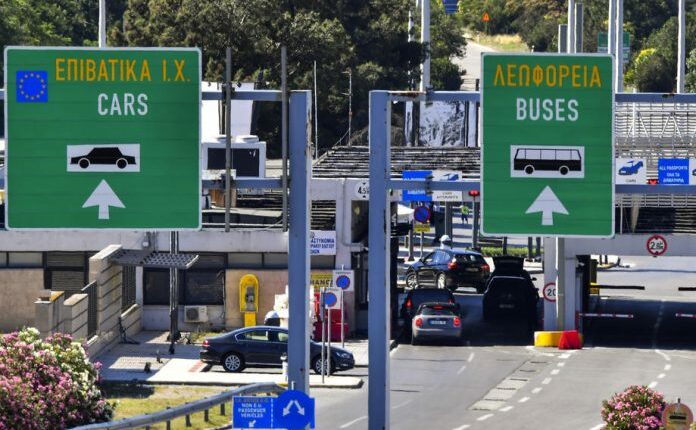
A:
(293, 410)
(252, 412)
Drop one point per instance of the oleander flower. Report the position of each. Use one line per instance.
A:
(637, 407)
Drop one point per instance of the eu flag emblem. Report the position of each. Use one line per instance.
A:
(32, 86)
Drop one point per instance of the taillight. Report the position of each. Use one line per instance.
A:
(419, 322)
(205, 343)
(450, 301)
(457, 321)
(437, 307)
(452, 265)
(408, 303)
(486, 268)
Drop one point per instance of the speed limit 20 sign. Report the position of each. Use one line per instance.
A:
(550, 292)
(656, 245)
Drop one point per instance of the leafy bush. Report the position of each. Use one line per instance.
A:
(48, 383)
(637, 407)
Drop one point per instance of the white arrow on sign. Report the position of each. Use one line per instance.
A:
(103, 196)
(300, 409)
(547, 203)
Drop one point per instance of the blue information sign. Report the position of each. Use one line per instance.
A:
(416, 195)
(673, 171)
(293, 410)
(253, 412)
(451, 6)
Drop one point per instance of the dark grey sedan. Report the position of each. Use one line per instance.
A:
(262, 346)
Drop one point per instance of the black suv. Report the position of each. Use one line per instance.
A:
(449, 268)
(510, 291)
(418, 296)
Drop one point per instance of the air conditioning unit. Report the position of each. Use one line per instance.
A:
(195, 314)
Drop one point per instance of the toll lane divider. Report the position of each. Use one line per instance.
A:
(604, 315)
(549, 338)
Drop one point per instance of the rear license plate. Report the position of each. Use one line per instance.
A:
(472, 269)
(438, 322)
(506, 306)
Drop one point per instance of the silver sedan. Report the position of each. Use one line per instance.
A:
(436, 321)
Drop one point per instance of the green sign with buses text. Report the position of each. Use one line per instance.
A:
(547, 145)
(103, 138)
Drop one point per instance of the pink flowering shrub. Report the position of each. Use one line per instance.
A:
(48, 383)
(636, 408)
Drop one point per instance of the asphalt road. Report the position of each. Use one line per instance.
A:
(496, 380)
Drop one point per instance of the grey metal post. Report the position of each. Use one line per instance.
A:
(350, 104)
(619, 46)
(571, 27)
(378, 277)
(298, 248)
(173, 294)
(579, 22)
(560, 283)
(448, 220)
(611, 28)
(475, 227)
(284, 130)
(228, 136)
(425, 40)
(562, 37)
(681, 55)
(316, 115)
(408, 108)
(102, 23)
(410, 238)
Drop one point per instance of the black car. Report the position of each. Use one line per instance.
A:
(103, 155)
(449, 268)
(510, 291)
(418, 296)
(262, 346)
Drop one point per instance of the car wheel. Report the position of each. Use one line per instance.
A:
(441, 281)
(529, 169)
(232, 362)
(84, 163)
(412, 280)
(318, 367)
(121, 163)
(563, 170)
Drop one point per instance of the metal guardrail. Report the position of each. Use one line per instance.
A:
(187, 409)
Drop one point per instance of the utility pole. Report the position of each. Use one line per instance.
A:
(425, 40)
(316, 116)
(681, 56)
(571, 27)
(102, 23)
(619, 46)
(350, 103)
(228, 136)
(611, 28)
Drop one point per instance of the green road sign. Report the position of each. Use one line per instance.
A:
(102, 138)
(547, 154)
(602, 44)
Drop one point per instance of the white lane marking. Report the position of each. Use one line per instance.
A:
(546, 381)
(536, 390)
(561, 364)
(660, 376)
(665, 356)
(402, 404)
(653, 384)
(350, 423)
(598, 426)
(523, 399)
(484, 418)
(461, 369)
(668, 366)
(465, 426)
(471, 357)
(555, 371)
(506, 408)
(564, 356)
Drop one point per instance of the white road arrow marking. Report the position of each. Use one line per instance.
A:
(300, 409)
(103, 196)
(547, 203)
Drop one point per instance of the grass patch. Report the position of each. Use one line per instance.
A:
(500, 42)
(197, 337)
(133, 400)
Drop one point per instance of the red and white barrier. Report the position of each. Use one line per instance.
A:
(678, 315)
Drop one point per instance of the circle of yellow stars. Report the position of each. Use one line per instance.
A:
(42, 81)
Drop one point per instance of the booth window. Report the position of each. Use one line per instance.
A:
(202, 284)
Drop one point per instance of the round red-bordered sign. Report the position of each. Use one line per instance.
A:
(656, 245)
(549, 292)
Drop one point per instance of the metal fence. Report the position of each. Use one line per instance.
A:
(186, 410)
(91, 291)
(128, 289)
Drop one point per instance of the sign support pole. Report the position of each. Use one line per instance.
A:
(618, 49)
(322, 308)
(560, 283)
(298, 247)
(228, 137)
(378, 278)
(343, 310)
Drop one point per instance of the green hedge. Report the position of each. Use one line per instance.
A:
(492, 251)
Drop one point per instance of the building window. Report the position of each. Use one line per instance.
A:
(25, 259)
(156, 287)
(323, 262)
(3, 259)
(66, 271)
(275, 260)
(202, 284)
(243, 260)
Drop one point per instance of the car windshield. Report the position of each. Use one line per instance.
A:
(470, 258)
(430, 295)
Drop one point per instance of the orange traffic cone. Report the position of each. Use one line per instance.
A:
(570, 339)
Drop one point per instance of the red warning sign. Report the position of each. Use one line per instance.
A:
(485, 17)
(656, 245)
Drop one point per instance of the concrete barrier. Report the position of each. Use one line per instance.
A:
(549, 338)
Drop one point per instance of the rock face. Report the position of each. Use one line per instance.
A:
(448, 124)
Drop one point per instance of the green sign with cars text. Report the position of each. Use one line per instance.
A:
(547, 145)
(102, 138)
